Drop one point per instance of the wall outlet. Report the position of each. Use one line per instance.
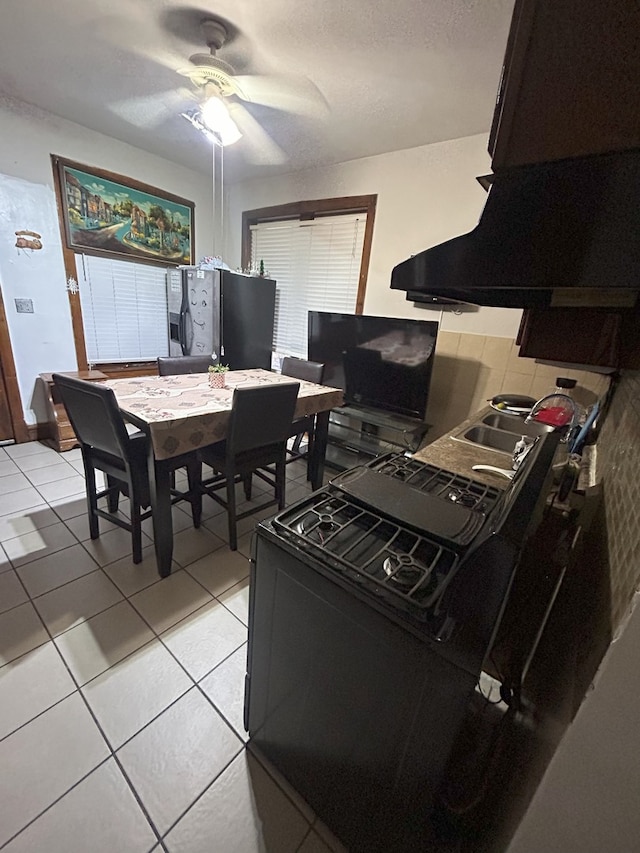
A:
(24, 306)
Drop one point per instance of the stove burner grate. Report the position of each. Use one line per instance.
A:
(404, 570)
(463, 498)
(369, 549)
(437, 481)
(317, 526)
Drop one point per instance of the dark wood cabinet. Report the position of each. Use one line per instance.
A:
(570, 81)
(600, 337)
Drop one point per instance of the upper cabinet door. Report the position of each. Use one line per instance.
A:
(570, 81)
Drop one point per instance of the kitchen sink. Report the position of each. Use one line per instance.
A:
(515, 424)
(494, 439)
(499, 432)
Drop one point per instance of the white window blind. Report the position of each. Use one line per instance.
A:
(124, 309)
(316, 265)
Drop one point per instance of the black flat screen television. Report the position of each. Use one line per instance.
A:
(381, 362)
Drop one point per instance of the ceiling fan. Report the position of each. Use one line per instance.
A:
(220, 113)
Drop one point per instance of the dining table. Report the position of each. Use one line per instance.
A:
(182, 413)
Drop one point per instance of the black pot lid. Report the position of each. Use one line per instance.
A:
(517, 403)
(514, 400)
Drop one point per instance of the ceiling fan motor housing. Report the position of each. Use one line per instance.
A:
(210, 69)
(215, 34)
(207, 67)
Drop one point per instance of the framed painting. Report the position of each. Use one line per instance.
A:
(108, 214)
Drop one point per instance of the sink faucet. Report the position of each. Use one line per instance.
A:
(557, 411)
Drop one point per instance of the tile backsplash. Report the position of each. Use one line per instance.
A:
(618, 473)
(470, 369)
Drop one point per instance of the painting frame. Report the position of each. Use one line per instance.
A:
(110, 215)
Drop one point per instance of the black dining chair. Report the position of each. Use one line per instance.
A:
(170, 365)
(310, 371)
(256, 440)
(107, 446)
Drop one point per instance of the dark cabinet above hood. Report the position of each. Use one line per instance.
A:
(565, 233)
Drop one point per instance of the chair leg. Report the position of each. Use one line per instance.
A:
(136, 538)
(136, 526)
(309, 453)
(194, 475)
(297, 442)
(281, 479)
(246, 481)
(231, 512)
(92, 501)
(113, 497)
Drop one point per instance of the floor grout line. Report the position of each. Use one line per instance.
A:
(44, 711)
(104, 736)
(56, 801)
(108, 745)
(156, 635)
(204, 791)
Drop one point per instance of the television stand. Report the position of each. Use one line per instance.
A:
(360, 433)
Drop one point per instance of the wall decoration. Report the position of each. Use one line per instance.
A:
(108, 214)
(28, 240)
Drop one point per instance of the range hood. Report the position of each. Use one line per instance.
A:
(565, 233)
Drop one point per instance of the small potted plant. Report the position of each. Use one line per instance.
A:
(216, 375)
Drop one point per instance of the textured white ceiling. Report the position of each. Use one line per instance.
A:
(368, 77)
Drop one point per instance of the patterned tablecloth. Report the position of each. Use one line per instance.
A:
(184, 413)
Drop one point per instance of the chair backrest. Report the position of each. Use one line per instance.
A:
(261, 416)
(299, 368)
(94, 415)
(171, 366)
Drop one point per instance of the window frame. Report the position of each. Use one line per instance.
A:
(308, 210)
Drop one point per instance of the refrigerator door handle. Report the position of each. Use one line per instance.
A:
(184, 332)
(221, 323)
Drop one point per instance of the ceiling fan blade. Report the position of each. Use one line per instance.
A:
(152, 110)
(256, 143)
(300, 96)
(136, 34)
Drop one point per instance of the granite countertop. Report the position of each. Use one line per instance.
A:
(459, 456)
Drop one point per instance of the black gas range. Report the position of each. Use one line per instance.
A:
(400, 529)
(429, 479)
(373, 603)
(449, 507)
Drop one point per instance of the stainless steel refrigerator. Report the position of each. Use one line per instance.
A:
(222, 313)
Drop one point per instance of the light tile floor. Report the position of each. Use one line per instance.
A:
(121, 695)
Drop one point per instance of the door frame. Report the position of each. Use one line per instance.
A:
(21, 431)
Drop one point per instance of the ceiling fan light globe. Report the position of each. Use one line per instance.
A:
(216, 117)
(230, 134)
(215, 114)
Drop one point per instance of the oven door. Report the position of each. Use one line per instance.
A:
(356, 712)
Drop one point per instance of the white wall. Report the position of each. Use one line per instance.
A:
(425, 195)
(44, 337)
(42, 341)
